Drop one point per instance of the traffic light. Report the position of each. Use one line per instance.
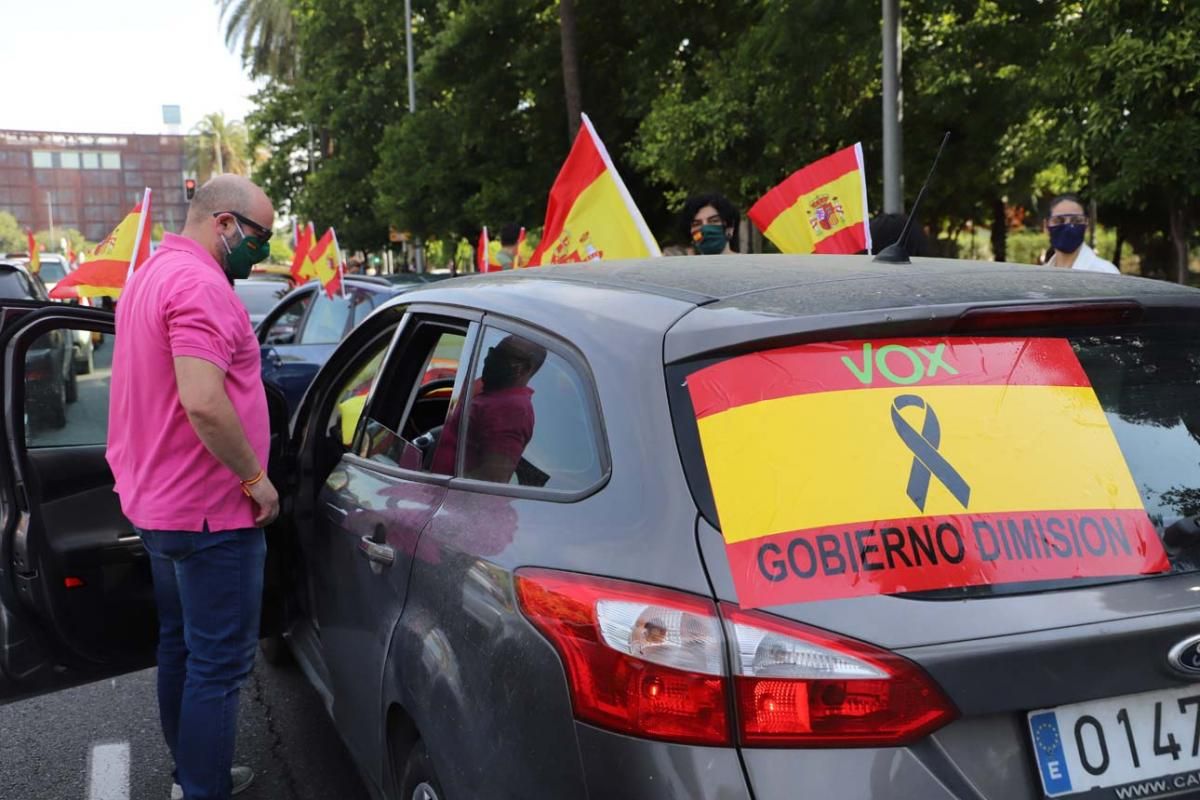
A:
(189, 187)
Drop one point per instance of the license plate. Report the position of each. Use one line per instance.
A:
(1136, 746)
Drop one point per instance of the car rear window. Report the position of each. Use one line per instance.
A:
(52, 271)
(15, 286)
(1147, 382)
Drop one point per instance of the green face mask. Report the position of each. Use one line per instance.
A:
(248, 252)
(710, 240)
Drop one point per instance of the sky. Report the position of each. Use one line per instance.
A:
(108, 66)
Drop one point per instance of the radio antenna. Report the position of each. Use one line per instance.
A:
(897, 251)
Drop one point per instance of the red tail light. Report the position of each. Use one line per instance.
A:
(639, 660)
(652, 663)
(797, 686)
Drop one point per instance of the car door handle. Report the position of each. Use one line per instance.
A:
(335, 513)
(383, 554)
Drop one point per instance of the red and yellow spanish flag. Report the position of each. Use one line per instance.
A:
(35, 257)
(821, 208)
(856, 468)
(484, 260)
(324, 262)
(591, 214)
(305, 237)
(113, 260)
(520, 246)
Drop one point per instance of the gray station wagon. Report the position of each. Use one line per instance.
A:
(721, 527)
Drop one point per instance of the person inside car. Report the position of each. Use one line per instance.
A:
(501, 420)
(711, 224)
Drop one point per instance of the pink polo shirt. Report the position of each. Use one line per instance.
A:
(179, 303)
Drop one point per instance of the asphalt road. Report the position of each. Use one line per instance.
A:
(87, 417)
(71, 745)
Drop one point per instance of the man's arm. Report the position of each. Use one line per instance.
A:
(202, 394)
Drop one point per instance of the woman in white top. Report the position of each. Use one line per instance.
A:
(1066, 223)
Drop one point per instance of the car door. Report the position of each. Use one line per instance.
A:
(76, 602)
(374, 506)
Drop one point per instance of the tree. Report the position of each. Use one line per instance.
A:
(216, 146)
(266, 31)
(12, 235)
(74, 238)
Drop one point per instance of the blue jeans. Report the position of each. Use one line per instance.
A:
(208, 588)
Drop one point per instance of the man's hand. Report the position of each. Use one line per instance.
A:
(266, 502)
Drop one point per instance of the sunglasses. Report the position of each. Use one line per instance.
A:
(263, 233)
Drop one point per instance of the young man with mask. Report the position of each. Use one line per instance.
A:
(1066, 224)
(188, 436)
(711, 223)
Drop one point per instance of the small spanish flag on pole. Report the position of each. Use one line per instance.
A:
(305, 237)
(821, 208)
(324, 262)
(111, 263)
(35, 258)
(591, 214)
(481, 251)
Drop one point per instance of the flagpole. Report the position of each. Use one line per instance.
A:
(137, 243)
(643, 229)
(341, 262)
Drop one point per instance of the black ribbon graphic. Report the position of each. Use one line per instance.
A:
(926, 458)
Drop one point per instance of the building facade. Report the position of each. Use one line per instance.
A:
(89, 181)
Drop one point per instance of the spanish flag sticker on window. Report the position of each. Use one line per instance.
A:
(876, 467)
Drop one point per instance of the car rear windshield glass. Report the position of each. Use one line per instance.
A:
(15, 286)
(52, 271)
(1147, 382)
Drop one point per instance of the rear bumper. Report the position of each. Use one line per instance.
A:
(617, 766)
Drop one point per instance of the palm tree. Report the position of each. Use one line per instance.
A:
(267, 32)
(216, 146)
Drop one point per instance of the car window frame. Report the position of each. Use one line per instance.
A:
(415, 317)
(296, 295)
(303, 326)
(569, 353)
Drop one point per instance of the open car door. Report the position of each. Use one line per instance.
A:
(76, 597)
(76, 601)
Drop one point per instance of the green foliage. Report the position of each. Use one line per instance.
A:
(54, 245)
(734, 95)
(12, 235)
(216, 145)
(266, 31)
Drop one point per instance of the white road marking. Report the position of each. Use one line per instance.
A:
(108, 776)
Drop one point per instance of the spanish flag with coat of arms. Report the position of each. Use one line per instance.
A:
(324, 262)
(112, 261)
(821, 208)
(591, 215)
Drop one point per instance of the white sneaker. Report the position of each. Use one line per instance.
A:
(240, 777)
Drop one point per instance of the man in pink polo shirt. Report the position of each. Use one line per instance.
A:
(188, 436)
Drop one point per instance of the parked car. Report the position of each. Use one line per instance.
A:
(304, 327)
(50, 367)
(556, 580)
(261, 293)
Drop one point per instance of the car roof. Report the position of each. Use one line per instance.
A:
(726, 300)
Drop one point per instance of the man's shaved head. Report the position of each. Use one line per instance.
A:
(209, 221)
(226, 193)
